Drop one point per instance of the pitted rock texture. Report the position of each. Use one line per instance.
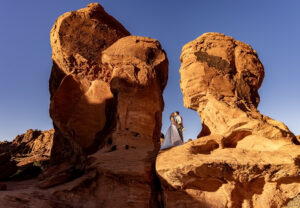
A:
(242, 158)
(78, 38)
(220, 78)
(81, 101)
(202, 174)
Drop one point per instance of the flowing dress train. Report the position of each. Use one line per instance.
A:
(172, 138)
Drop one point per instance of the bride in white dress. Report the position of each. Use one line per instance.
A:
(172, 137)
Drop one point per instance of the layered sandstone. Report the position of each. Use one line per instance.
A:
(242, 158)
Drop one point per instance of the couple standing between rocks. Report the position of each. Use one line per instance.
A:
(174, 134)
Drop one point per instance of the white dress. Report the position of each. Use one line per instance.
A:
(172, 138)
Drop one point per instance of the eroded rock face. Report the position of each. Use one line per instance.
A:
(106, 104)
(123, 167)
(81, 100)
(139, 76)
(140, 73)
(77, 40)
(201, 174)
(34, 146)
(220, 78)
(242, 158)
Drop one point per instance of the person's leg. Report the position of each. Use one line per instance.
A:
(180, 133)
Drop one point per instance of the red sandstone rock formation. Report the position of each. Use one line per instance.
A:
(220, 78)
(32, 146)
(106, 104)
(123, 166)
(81, 101)
(242, 158)
(24, 152)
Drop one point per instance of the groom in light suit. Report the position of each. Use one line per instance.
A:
(178, 120)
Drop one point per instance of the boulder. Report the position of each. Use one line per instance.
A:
(82, 105)
(241, 158)
(220, 78)
(77, 39)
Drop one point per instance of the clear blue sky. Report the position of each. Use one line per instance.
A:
(271, 27)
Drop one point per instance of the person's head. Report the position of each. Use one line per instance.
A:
(176, 113)
(171, 116)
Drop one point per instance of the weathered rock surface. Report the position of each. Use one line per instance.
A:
(32, 146)
(24, 157)
(220, 78)
(106, 104)
(81, 100)
(242, 158)
(140, 68)
(201, 174)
